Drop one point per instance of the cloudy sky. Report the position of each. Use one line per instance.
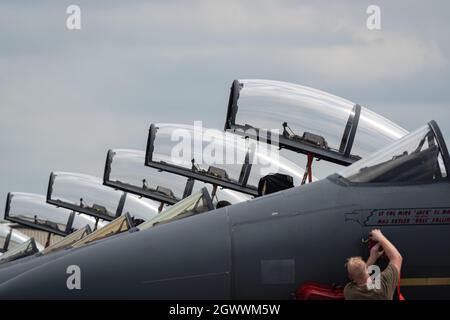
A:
(66, 97)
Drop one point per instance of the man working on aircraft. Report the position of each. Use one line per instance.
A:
(361, 287)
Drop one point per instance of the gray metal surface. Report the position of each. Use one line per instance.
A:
(245, 250)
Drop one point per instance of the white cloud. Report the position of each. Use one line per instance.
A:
(389, 57)
(323, 40)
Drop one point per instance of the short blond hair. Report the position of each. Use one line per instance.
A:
(356, 268)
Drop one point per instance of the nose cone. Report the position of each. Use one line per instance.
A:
(184, 259)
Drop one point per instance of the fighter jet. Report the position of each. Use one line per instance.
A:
(269, 246)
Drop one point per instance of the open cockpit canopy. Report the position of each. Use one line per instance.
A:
(125, 170)
(32, 210)
(215, 157)
(10, 238)
(419, 157)
(196, 203)
(23, 250)
(307, 120)
(87, 194)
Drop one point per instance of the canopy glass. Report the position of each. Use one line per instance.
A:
(33, 211)
(126, 171)
(308, 120)
(212, 156)
(88, 195)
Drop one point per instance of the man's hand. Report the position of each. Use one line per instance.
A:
(395, 258)
(376, 235)
(374, 254)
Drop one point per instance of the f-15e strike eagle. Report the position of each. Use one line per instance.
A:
(276, 232)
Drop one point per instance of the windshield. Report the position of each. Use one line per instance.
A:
(23, 250)
(212, 156)
(87, 194)
(119, 225)
(140, 208)
(220, 194)
(197, 203)
(374, 133)
(415, 158)
(311, 117)
(69, 240)
(32, 210)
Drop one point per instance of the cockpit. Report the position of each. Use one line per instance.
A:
(85, 236)
(419, 157)
(10, 238)
(196, 203)
(308, 120)
(25, 249)
(119, 225)
(69, 240)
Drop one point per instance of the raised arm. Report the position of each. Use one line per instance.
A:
(395, 258)
(375, 253)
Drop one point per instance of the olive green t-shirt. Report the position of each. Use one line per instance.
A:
(388, 280)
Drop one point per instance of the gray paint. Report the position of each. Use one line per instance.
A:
(219, 254)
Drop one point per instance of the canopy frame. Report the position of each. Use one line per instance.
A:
(240, 186)
(147, 193)
(78, 208)
(342, 156)
(37, 226)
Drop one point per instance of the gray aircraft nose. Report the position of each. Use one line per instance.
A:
(166, 261)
